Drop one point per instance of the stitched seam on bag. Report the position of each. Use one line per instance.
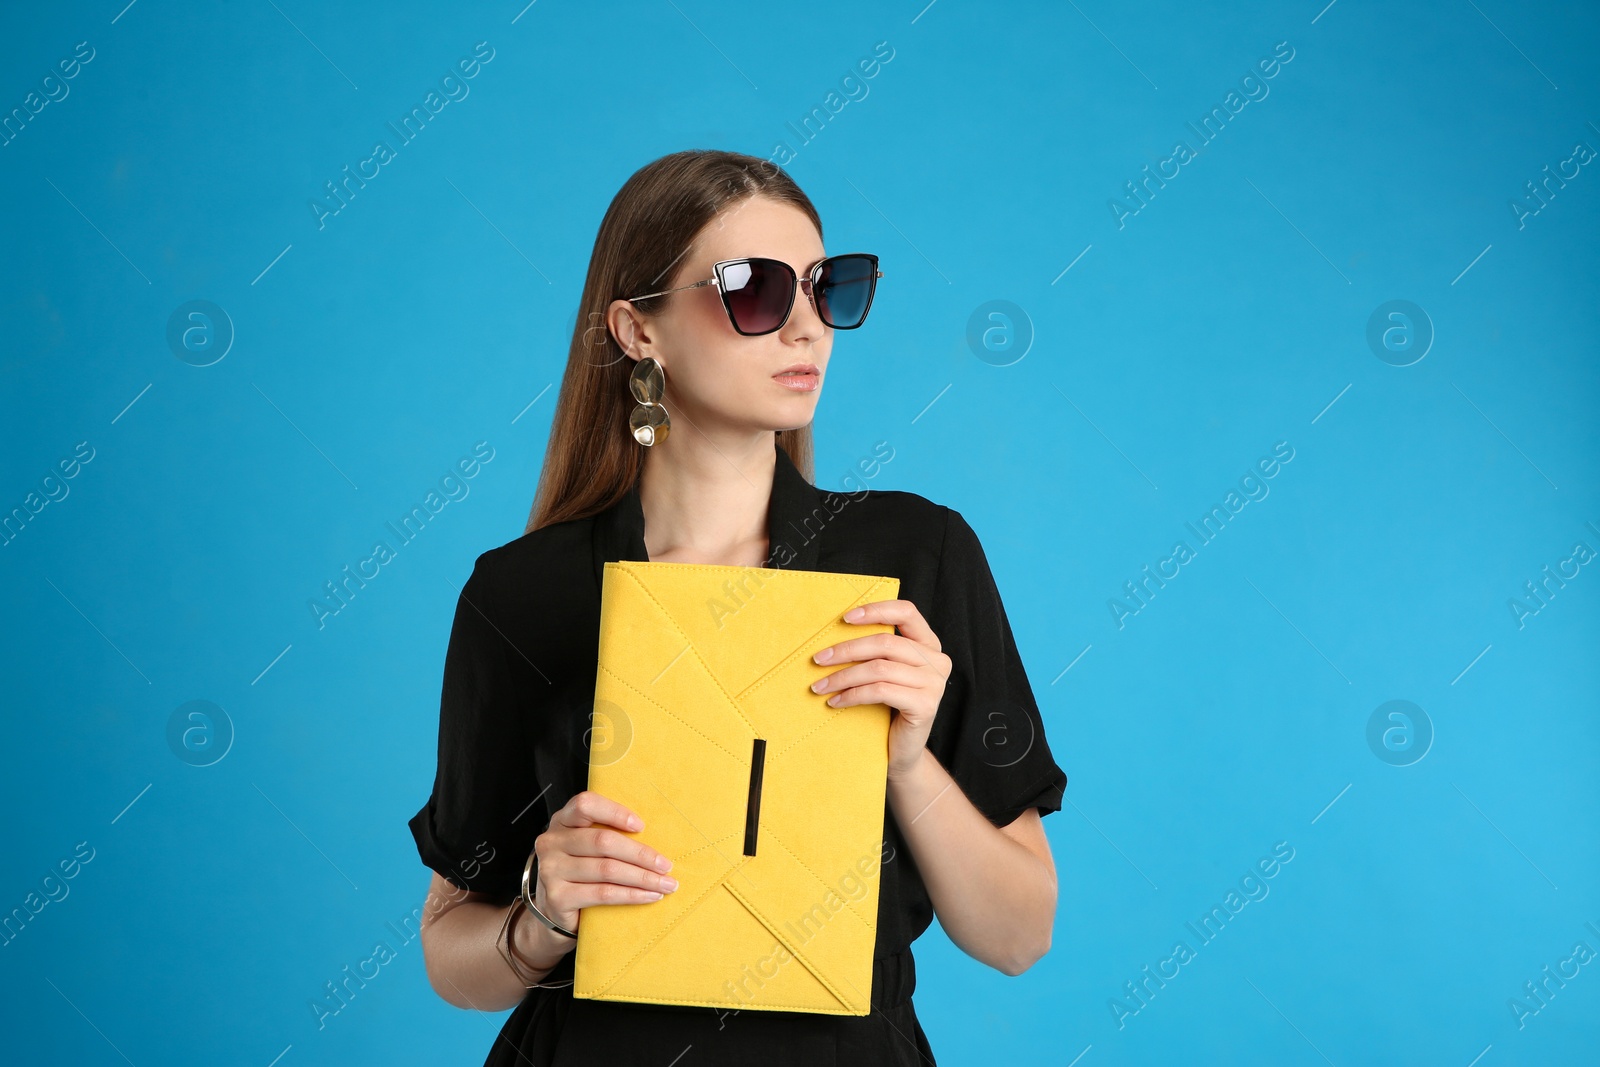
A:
(823, 723)
(748, 691)
(732, 703)
(803, 738)
(847, 903)
(861, 598)
(842, 576)
(690, 910)
(675, 716)
(734, 836)
(771, 928)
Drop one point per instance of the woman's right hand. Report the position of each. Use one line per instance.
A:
(585, 860)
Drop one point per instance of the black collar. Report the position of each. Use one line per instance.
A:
(795, 515)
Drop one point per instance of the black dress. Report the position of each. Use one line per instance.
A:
(518, 691)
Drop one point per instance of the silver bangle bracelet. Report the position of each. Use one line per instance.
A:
(508, 950)
(527, 899)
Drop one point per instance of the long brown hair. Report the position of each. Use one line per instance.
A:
(592, 459)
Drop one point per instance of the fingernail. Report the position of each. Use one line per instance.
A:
(825, 656)
(854, 613)
(663, 864)
(653, 896)
(819, 685)
(670, 884)
(635, 823)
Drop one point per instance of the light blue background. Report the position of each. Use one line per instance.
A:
(1229, 314)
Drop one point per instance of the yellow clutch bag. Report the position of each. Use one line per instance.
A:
(769, 802)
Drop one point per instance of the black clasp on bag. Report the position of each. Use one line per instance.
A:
(752, 813)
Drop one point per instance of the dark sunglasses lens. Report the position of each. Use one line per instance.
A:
(758, 293)
(844, 290)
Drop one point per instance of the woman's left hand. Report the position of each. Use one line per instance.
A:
(905, 670)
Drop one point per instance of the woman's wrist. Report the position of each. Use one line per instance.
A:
(535, 944)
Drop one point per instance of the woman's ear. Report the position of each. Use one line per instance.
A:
(627, 326)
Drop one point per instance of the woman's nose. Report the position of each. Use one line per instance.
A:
(811, 297)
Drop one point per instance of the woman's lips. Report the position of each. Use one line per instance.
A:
(800, 383)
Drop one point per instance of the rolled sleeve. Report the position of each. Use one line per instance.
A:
(988, 733)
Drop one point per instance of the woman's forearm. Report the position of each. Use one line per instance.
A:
(993, 896)
(463, 955)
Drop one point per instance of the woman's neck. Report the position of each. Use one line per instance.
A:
(707, 502)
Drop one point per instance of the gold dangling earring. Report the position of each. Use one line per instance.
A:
(648, 384)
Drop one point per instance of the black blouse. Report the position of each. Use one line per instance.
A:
(518, 691)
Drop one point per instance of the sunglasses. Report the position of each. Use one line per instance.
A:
(758, 293)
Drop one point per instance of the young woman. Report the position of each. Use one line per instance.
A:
(682, 433)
